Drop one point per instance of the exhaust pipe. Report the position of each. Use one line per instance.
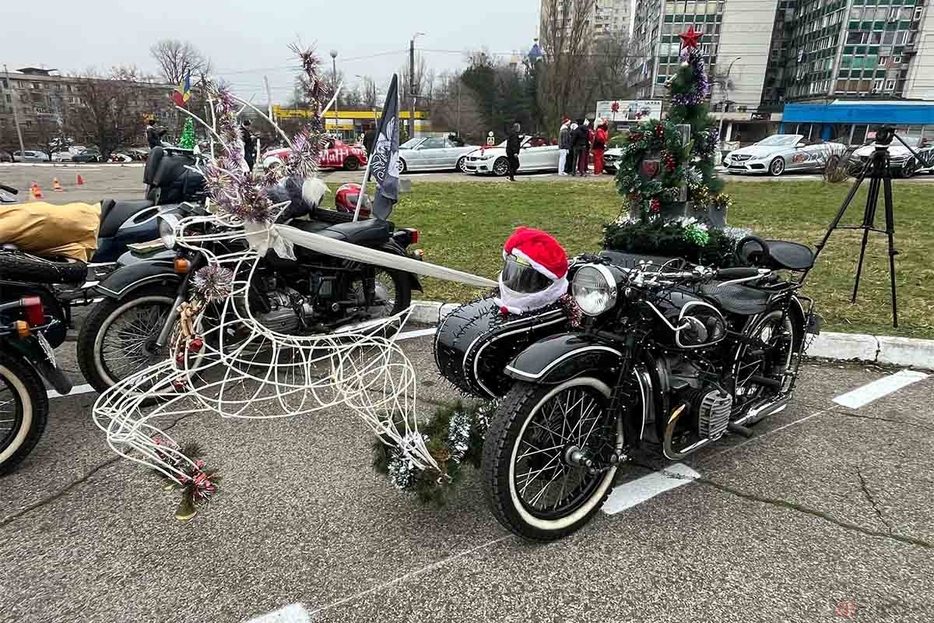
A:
(667, 447)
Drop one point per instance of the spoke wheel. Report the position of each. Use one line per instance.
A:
(536, 454)
(24, 406)
(774, 358)
(777, 167)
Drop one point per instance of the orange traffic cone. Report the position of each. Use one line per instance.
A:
(80, 180)
(36, 191)
(56, 186)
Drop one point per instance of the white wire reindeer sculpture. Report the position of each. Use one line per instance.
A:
(224, 361)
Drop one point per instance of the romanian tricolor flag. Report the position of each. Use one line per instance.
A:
(182, 92)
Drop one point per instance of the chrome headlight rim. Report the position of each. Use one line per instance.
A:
(167, 226)
(612, 289)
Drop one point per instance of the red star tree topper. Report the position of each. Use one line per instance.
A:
(690, 38)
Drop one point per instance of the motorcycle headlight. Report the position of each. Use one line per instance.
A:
(594, 289)
(167, 223)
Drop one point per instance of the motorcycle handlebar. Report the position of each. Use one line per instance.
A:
(737, 273)
(9, 189)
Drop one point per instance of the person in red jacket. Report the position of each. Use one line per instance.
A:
(599, 146)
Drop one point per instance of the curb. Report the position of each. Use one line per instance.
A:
(882, 349)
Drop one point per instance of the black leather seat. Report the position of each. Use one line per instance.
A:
(314, 227)
(115, 213)
(790, 255)
(370, 232)
(738, 299)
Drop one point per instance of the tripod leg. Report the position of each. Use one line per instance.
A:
(869, 217)
(890, 232)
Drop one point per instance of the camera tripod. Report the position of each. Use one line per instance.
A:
(880, 174)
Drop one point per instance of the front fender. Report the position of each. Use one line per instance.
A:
(558, 358)
(128, 278)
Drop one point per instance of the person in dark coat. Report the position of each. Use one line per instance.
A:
(249, 144)
(513, 144)
(153, 133)
(369, 137)
(580, 140)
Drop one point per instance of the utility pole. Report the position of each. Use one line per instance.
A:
(19, 133)
(412, 84)
(268, 98)
(336, 113)
(724, 95)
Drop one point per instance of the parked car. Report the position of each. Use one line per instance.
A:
(611, 158)
(435, 153)
(6, 156)
(901, 161)
(783, 152)
(335, 155)
(535, 155)
(88, 155)
(137, 153)
(31, 156)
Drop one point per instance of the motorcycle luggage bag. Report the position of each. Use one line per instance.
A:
(172, 181)
(476, 341)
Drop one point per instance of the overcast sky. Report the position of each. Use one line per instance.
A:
(248, 39)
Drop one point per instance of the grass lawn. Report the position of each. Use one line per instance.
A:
(463, 225)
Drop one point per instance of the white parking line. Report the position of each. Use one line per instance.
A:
(862, 396)
(78, 389)
(640, 490)
(411, 335)
(294, 613)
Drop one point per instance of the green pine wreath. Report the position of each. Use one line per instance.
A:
(649, 195)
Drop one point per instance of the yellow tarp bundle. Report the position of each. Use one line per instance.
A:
(68, 230)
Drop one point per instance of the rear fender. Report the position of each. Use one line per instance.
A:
(396, 249)
(131, 277)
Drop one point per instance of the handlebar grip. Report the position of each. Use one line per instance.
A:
(9, 189)
(737, 273)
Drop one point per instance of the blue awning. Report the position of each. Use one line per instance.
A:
(895, 113)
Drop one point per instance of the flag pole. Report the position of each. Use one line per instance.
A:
(366, 177)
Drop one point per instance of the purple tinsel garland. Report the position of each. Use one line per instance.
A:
(701, 88)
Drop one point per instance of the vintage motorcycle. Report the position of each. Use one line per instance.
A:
(32, 325)
(666, 360)
(131, 327)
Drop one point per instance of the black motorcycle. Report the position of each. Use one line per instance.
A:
(32, 325)
(131, 328)
(666, 360)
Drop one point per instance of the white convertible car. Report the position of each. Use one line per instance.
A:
(535, 155)
(782, 152)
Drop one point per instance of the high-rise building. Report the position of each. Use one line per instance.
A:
(604, 17)
(762, 54)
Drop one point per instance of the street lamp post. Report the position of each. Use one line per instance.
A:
(412, 84)
(336, 113)
(723, 97)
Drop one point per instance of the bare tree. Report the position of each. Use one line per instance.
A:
(177, 59)
(111, 109)
(369, 92)
(567, 42)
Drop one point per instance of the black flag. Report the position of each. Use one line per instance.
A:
(384, 166)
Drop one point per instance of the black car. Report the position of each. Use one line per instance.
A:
(88, 155)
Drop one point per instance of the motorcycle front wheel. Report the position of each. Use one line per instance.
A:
(24, 407)
(535, 479)
(118, 337)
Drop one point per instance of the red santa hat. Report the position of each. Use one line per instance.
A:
(543, 253)
(540, 250)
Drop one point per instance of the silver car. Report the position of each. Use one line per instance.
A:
(435, 153)
(901, 161)
(780, 153)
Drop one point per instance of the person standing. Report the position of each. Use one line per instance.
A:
(153, 133)
(599, 146)
(564, 146)
(249, 144)
(571, 165)
(513, 143)
(580, 143)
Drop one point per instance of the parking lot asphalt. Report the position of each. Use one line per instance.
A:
(824, 514)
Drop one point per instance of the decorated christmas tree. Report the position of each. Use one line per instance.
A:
(676, 205)
(187, 140)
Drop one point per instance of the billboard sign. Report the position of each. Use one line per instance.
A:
(623, 111)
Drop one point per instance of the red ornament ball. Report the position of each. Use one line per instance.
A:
(655, 205)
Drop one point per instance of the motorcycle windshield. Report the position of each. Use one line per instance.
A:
(519, 276)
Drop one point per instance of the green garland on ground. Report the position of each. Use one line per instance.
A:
(454, 438)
